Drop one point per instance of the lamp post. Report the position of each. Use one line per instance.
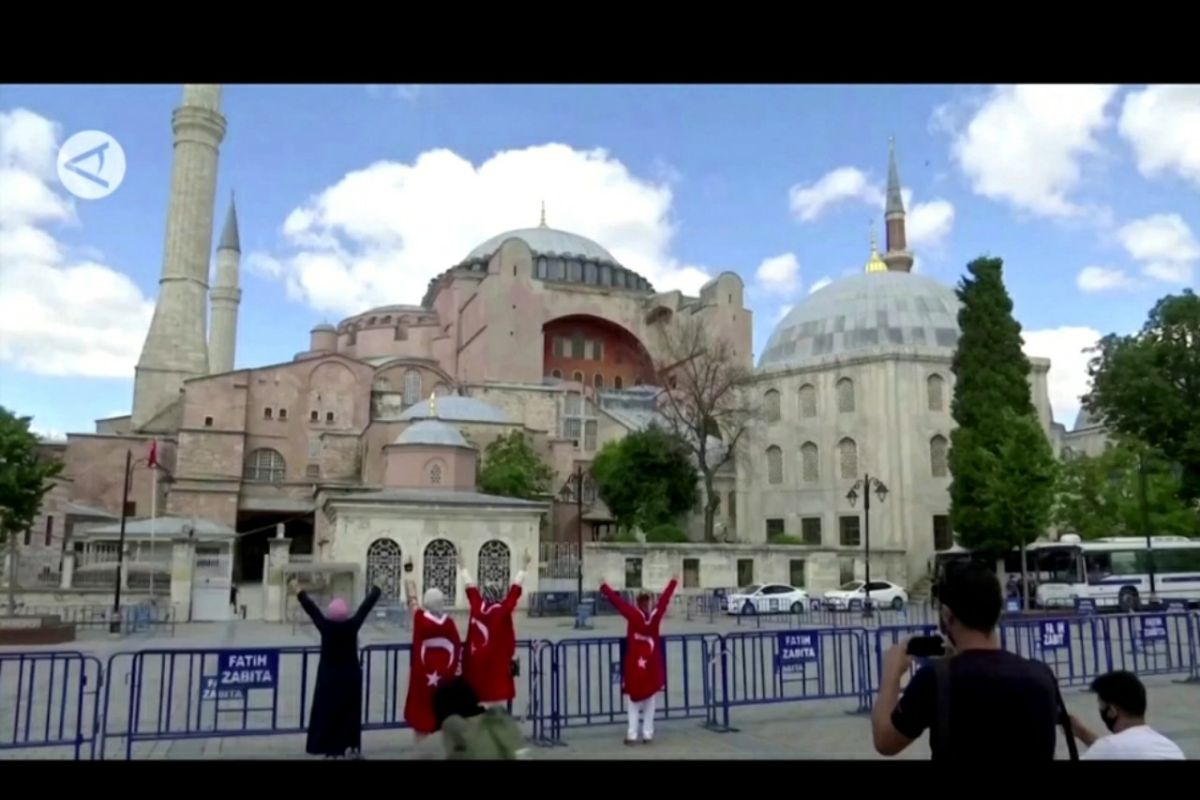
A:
(867, 484)
(114, 624)
(574, 485)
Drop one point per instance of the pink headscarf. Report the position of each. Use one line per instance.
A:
(337, 610)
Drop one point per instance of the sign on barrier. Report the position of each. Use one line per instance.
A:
(1176, 606)
(1154, 628)
(1012, 605)
(814, 604)
(797, 651)
(856, 605)
(1055, 634)
(1085, 605)
(242, 669)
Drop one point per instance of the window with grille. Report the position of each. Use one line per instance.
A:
(849, 531)
(938, 463)
(633, 573)
(745, 571)
(282, 414)
(435, 474)
(810, 462)
(577, 346)
(808, 400)
(796, 572)
(589, 435)
(774, 465)
(810, 530)
(49, 529)
(771, 405)
(312, 471)
(208, 422)
(598, 381)
(618, 383)
(775, 529)
(935, 386)
(268, 413)
(572, 428)
(848, 458)
(266, 465)
(691, 573)
(329, 416)
(845, 395)
(943, 539)
(412, 387)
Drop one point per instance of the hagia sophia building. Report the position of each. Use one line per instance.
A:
(358, 460)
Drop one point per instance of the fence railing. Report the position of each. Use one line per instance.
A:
(65, 701)
(138, 618)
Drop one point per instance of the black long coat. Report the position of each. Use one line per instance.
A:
(335, 724)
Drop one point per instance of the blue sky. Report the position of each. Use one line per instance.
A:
(354, 196)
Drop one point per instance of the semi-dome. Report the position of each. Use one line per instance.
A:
(457, 408)
(547, 242)
(432, 433)
(867, 314)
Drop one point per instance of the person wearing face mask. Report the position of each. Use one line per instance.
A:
(642, 675)
(436, 657)
(982, 703)
(1122, 700)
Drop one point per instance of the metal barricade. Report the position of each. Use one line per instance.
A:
(50, 700)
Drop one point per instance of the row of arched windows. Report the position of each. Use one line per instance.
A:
(597, 379)
(385, 567)
(810, 460)
(935, 391)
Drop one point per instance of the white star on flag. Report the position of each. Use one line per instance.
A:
(641, 663)
(433, 678)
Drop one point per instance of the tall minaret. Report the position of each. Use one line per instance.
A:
(897, 257)
(176, 346)
(222, 334)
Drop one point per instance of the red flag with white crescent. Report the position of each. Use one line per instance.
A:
(152, 459)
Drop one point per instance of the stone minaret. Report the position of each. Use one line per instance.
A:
(226, 296)
(176, 346)
(897, 257)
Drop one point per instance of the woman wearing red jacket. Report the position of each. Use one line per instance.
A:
(642, 673)
(491, 639)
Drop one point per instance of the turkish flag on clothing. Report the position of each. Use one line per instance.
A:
(642, 673)
(436, 657)
(491, 645)
(152, 459)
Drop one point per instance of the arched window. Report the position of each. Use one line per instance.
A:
(845, 395)
(441, 568)
(598, 380)
(556, 374)
(808, 400)
(848, 458)
(412, 387)
(938, 464)
(618, 384)
(495, 565)
(935, 387)
(577, 377)
(385, 568)
(732, 506)
(810, 469)
(265, 465)
(771, 405)
(435, 474)
(774, 465)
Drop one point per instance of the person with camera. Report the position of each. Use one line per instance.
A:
(979, 701)
(1122, 700)
(489, 663)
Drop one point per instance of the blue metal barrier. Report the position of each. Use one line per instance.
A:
(50, 700)
(587, 680)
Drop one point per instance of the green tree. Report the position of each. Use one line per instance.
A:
(1146, 385)
(25, 478)
(1101, 495)
(512, 469)
(646, 479)
(1002, 491)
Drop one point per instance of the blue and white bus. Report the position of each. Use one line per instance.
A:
(1116, 571)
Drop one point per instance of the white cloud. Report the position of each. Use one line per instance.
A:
(780, 274)
(60, 313)
(1068, 378)
(929, 224)
(382, 232)
(1024, 144)
(808, 201)
(820, 284)
(783, 311)
(1162, 124)
(1102, 279)
(1165, 246)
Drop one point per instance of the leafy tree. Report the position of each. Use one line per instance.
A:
(666, 533)
(704, 396)
(1101, 495)
(24, 480)
(512, 469)
(646, 478)
(1002, 491)
(1146, 385)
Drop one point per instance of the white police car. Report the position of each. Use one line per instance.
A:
(771, 598)
(883, 594)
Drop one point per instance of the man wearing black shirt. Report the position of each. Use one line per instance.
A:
(1001, 706)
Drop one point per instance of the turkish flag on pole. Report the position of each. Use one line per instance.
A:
(152, 459)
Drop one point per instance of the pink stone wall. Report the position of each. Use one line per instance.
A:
(420, 467)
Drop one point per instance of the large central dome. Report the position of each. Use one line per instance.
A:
(545, 241)
(880, 313)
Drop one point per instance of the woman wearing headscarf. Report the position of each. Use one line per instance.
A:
(436, 657)
(335, 724)
(491, 644)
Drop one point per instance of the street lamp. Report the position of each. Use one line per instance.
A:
(867, 484)
(574, 486)
(114, 624)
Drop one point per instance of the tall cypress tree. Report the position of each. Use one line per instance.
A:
(998, 453)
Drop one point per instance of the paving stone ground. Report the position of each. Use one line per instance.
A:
(793, 730)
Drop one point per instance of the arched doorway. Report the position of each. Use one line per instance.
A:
(441, 567)
(385, 569)
(495, 565)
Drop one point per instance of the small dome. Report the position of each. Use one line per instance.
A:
(432, 432)
(545, 241)
(324, 326)
(870, 313)
(457, 408)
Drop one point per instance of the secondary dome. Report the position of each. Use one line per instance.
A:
(432, 432)
(546, 242)
(457, 408)
(867, 314)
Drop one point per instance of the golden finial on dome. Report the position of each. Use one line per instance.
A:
(875, 263)
(542, 224)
